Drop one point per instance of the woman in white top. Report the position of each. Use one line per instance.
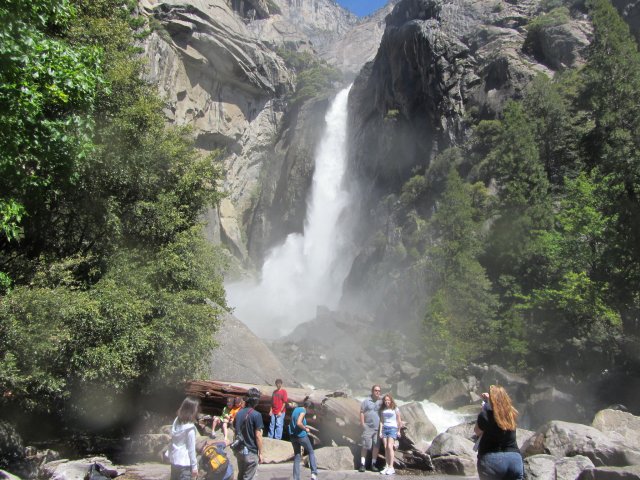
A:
(390, 426)
(182, 452)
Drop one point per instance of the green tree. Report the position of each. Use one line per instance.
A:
(461, 311)
(612, 92)
(576, 321)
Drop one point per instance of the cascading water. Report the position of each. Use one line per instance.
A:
(306, 270)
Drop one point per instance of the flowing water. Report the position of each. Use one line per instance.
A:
(308, 269)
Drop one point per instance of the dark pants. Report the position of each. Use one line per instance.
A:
(247, 465)
(178, 472)
(501, 466)
(298, 443)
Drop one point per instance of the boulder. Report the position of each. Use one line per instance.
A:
(452, 395)
(516, 385)
(335, 458)
(619, 425)
(243, 357)
(453, 455)
(553, 404)
(148, 447)
(611, 473)
(419, 428)
(563, 439)
(73, 469)
(548, 467)
(276, 451)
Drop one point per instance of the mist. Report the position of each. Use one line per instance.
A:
(307, 270)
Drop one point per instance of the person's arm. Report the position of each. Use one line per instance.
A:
(477, 430)
(361, 416)
(300, 422)
(259, 444)
(191, 449)
(399, 421)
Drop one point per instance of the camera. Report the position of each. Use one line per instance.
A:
(237, 444)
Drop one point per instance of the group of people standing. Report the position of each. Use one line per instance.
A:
(498, 454)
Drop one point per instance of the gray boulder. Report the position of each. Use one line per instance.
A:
(419, 428)
(334, 458)
(148, 446)
(619, 425)
(453, 455)
(277, 451)
(548, 467)
(516, 385)
(611, 473)
(552, 404)
(452, 395)
(73, 469)
(563, 439)
(242, 357)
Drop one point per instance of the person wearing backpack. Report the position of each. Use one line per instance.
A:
(214, 461)
(182, 449)
(299, 435)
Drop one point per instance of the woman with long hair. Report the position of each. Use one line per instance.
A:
(299, 435)
(182, 451)
(498, 453)
(390, 426)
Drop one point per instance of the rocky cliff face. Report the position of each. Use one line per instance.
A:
(439, 62)
(216, 64)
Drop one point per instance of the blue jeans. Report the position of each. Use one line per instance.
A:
(178, 472)
(298, 443)
(275, 426)
(501, 466)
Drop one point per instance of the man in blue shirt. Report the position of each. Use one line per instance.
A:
(248, 426)
(370, 421)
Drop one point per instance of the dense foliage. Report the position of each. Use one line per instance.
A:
(105, 274)
(544, 272)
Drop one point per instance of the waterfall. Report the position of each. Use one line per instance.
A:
(307, 270)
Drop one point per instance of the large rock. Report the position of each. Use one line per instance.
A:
(334, 458)
(277, 451)
(242, 357)
(563, 439)
(619, 425)
(553, 404)
(611, 473)
(419, 429)
(148, 447)
(73, 469)
(4, 475)
(452, 395)
(548, 467)
(453, 455)
(11, 447)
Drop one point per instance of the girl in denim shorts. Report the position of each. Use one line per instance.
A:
(390, 426)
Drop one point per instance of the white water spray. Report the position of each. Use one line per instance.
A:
(307, 270)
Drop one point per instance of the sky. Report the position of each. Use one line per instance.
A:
(362, 8)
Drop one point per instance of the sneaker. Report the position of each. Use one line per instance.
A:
(361, 469)
(374, 469)
(390, 471)
(384, 471)
(314, 476)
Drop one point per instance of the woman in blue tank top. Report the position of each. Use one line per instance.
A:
(299, 435)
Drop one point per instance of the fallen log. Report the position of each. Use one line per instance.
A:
(334, 415)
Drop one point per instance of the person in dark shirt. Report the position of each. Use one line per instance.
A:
(248, 426)
(498, 454)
